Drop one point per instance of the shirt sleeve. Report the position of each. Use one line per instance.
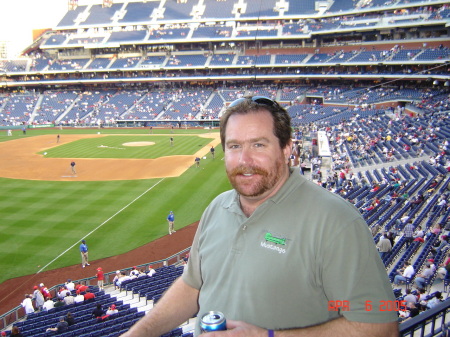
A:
(352, 271)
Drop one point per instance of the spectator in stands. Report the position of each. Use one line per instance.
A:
(408, 233)
(79, 298)
(413, 310)
(59, 302)
(62, 292)
(27, 304)
(116, 279)
(44, 291)
(384, 246)
(48, 304)
(81, 288)
(443, 242)
(88, 296)
(70, 285)
(404, 273)
(432, 265)
(417, 201)
(134, 272)
(419, 234)
(151, 271)
(15, 331)
(391, 237)
(443, 267)
(123, 279)
(61, 327)
(435, 300)
(142, 273)
(265, 201)
(70, 319)
(422, 277)
(69, 299)
(98, 311)
(436, 230)
(38, 298)
(112, 310)
(409, 297)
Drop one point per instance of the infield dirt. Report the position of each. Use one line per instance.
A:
(20, 160)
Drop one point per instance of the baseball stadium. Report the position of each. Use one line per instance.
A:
(110, 120)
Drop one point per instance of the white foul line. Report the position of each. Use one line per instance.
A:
(104, 222)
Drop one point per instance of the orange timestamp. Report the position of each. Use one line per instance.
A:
(369, 305)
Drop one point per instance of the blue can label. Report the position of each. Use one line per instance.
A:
(213, 321)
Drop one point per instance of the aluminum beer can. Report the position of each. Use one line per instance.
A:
(213, 321)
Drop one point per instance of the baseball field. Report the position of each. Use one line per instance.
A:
(125, 183)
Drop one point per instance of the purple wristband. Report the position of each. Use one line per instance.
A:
(270, 333)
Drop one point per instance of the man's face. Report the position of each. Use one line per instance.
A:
(256, 165)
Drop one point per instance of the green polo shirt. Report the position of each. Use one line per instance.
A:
(281, 267)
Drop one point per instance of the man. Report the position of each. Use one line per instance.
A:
(27, 304)
(84, 254)
(48, 304)
(70, 285)
(422, 277)
(62, 326)
(408, 233)
(212, 150)
(69, 299)
(72, 167)
(404, 273)
(88, 296)
(38, 298)
(79, 298)
(151, 271)
(171, 220)
(197, 162)
(59, 303)
(44, 290)
(100, 278)
(384, 246)
(248, 237)
(81, 288)
(409, 297)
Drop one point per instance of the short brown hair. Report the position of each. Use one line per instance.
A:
(281, 119)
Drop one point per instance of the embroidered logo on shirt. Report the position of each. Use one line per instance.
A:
(272, 242)
(280, 241)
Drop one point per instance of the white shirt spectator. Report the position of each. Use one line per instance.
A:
(70, 285)
(49, 304)
(79, 298)
(28, 305)
(408, 272)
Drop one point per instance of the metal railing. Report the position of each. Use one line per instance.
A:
(431, 322)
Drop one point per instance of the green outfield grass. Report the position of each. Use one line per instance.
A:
(43, 220)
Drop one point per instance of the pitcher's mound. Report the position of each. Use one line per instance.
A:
(138, 144)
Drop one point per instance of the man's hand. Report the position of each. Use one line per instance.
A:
(238, 329)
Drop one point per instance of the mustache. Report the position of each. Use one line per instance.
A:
(247, 170)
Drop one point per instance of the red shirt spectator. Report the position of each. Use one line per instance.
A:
(88, 296)
(82, 289)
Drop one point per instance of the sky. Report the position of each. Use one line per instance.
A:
(18, 18)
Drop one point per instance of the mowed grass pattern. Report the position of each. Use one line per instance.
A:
(41, 220)
(112, 147)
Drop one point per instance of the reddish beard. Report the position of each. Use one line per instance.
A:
(256, 187)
